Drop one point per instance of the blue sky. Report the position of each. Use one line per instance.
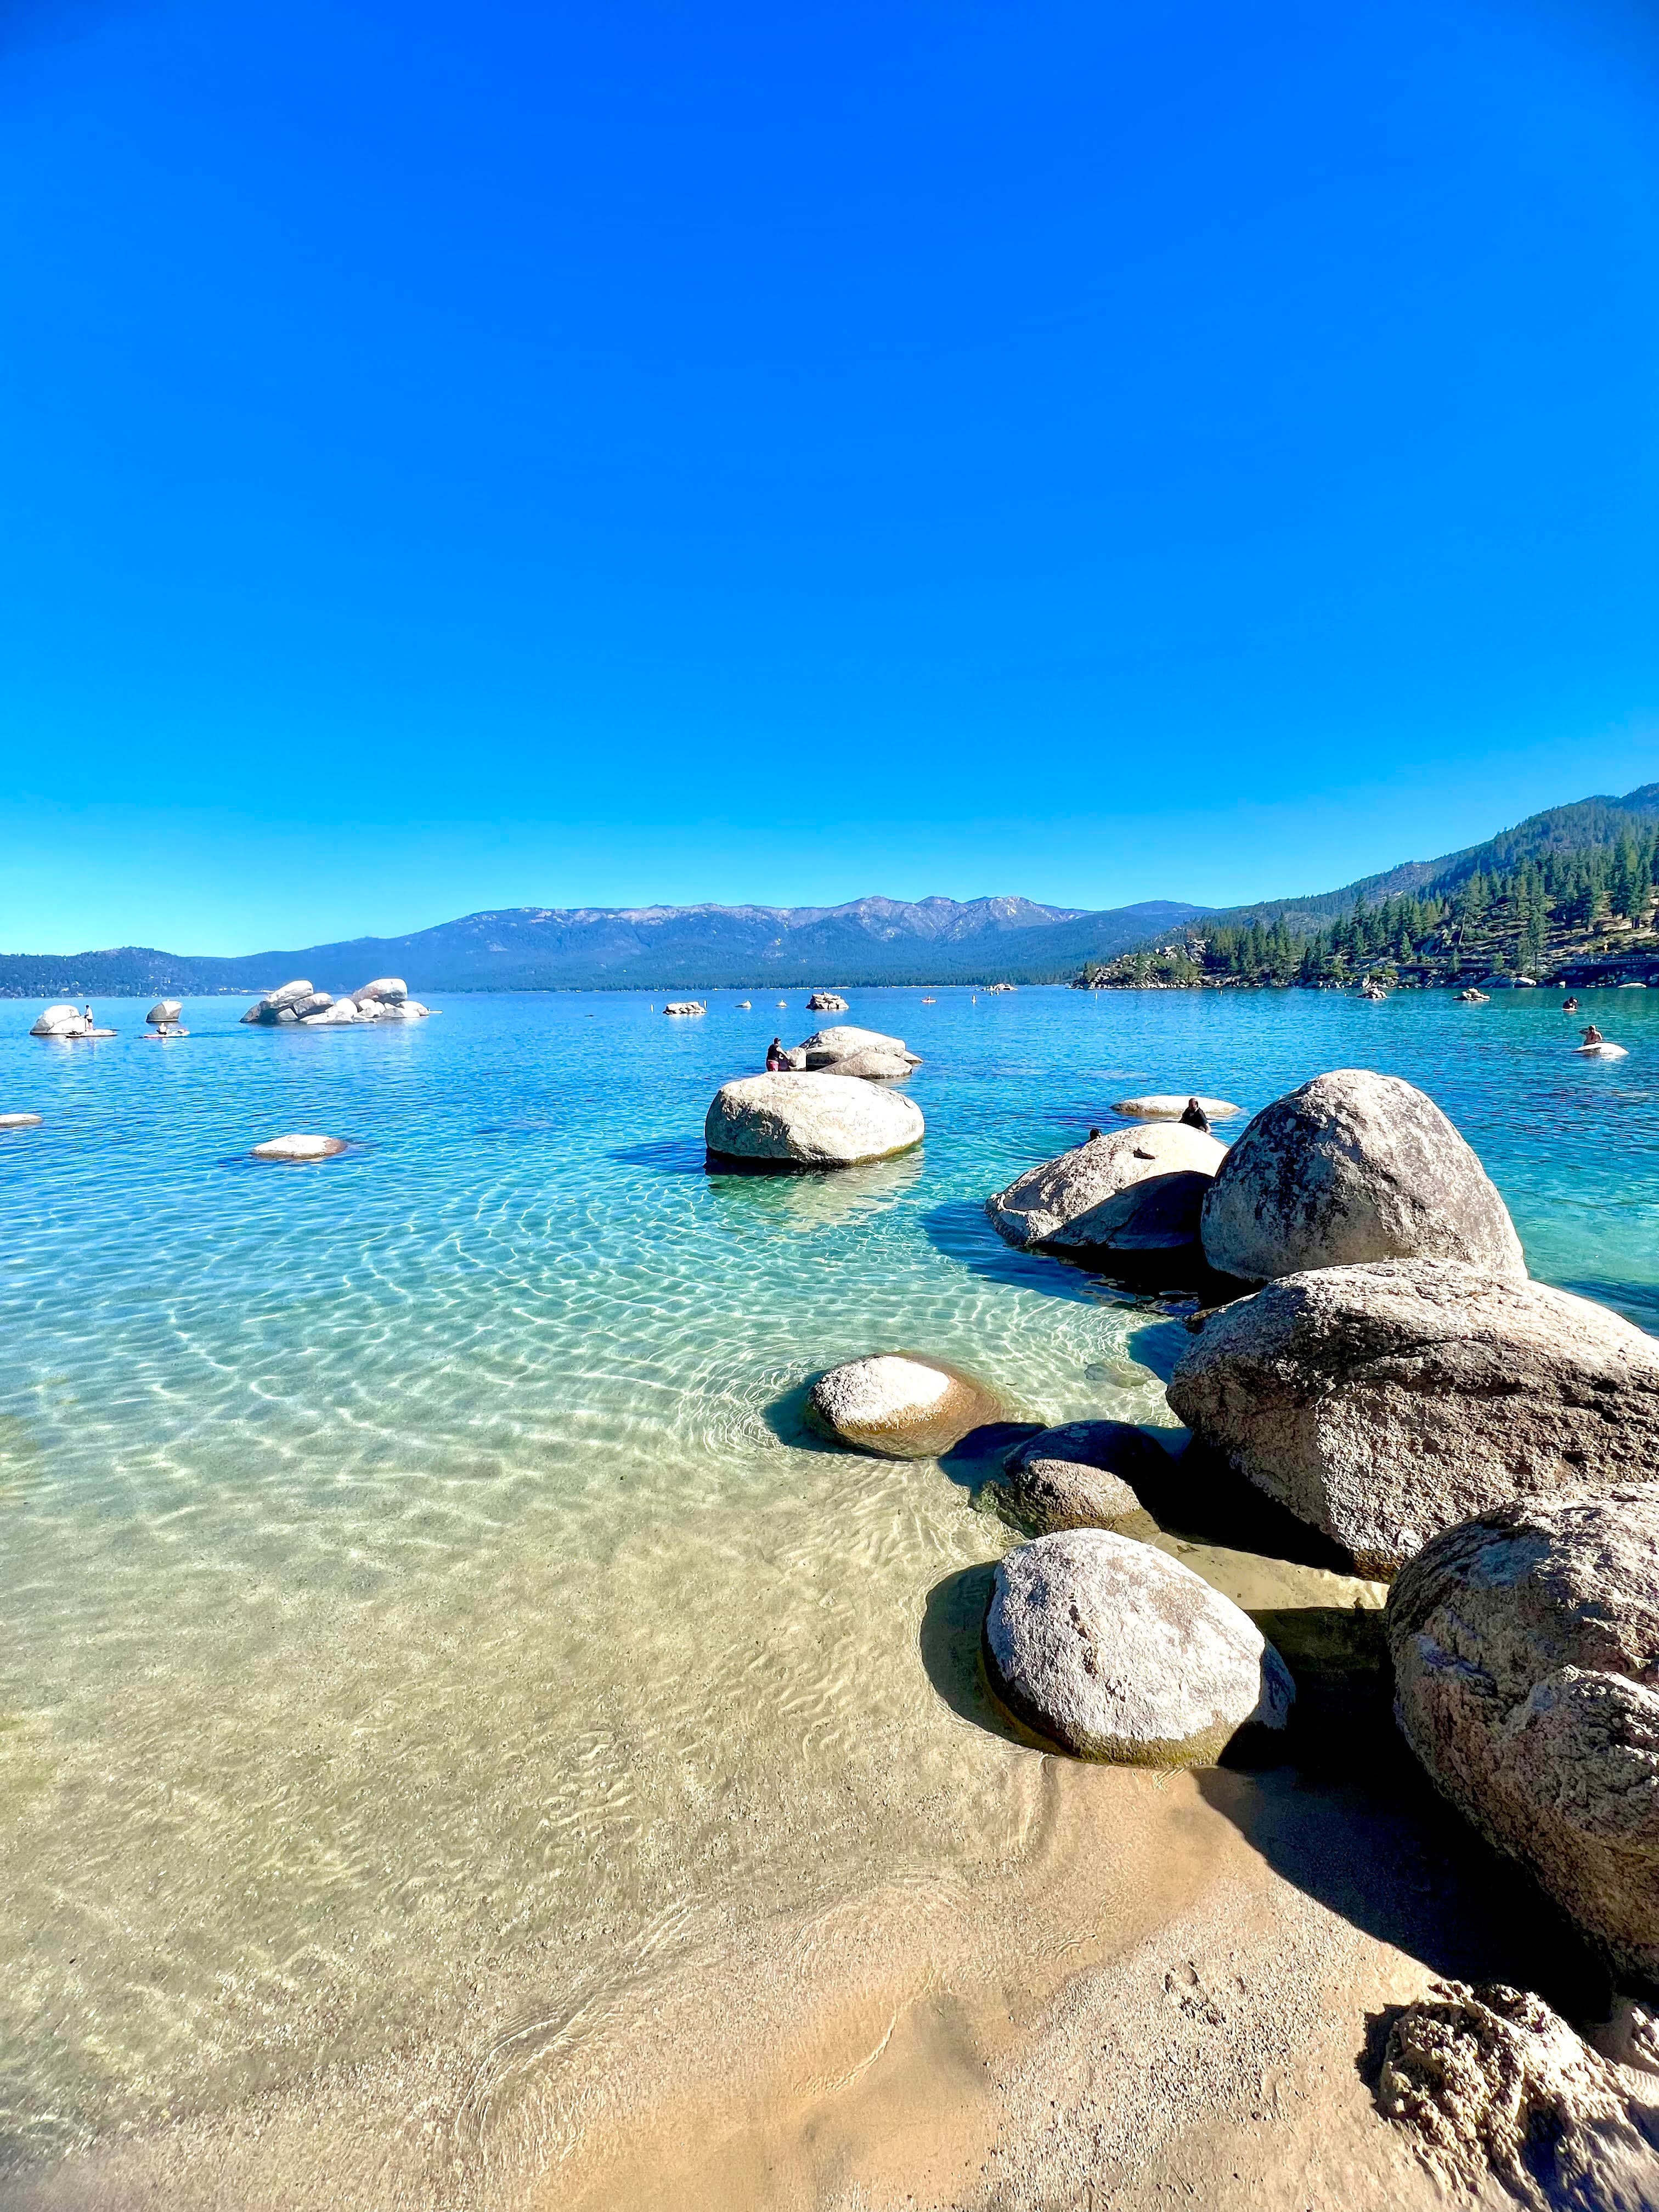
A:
(535, 454)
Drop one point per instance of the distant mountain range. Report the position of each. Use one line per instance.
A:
(870, 940)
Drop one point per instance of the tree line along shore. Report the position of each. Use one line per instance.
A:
(1577, 916)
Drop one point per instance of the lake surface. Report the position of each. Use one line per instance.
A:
(423, 1620)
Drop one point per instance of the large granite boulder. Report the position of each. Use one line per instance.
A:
(1492, 2083)
(383, 987)
(800, 1121)
(332, 1014)
(824, 1048)
(1131, 1190)
(1382, 1404)
(1353, 1167)
(899, 1406)
(282, 1005)
(826, 1002)
(164, 1012)
(1078, 1475)
(1120, 1652)
(393, 1010)
(61, 1021)
(298, 1148)
(1526, 1655)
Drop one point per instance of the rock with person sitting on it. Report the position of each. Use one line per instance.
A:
(1383, 1403)
(282, 1004)
(1129, 1191)
(826, 1048)
(794, 1120)
(900, 1406)
(1119, 1652)
(1077, 1475)
(826, 1002)
(1526, 1655)
(1493, 2082)
(61, 1021)
(1351, 1167)
(1170, 1105)
(298, 1148)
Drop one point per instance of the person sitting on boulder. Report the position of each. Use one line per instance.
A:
(1593, 1035)
(1195, 1117)
(776, 1058)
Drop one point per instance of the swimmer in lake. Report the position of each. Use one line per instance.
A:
(1195, 1117)
(1593, 1035)
(1570, 1006)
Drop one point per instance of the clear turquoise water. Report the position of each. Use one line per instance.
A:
(418, 1614)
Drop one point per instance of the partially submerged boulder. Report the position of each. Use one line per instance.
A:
(900, 1406)
(1170, 1106)
(1383, 1403)
(298, 1148)
(1352, 1166)
(387, 988)
(1078, 1475)
(1526, 1655)
(282, 1004)
(801, 1121)
(824, 1048)
(1119, 1652)
(873, 1066)
(61, 1021)
(164, 1012)
(1131, 1190)
(1493, 2081)
(826, 1002)
(20, 1120)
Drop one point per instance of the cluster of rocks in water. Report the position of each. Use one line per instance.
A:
(827, 1109)
(1377, 1362)
(385, 1000)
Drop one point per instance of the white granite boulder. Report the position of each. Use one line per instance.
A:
(392, 988)
(1526, 1655)
(826, 1002)
(1382, 1404)
(802, 1120)
(874, 1066)
(824, 1048)
(1170, 1106)
(900, 1406)
(164, 1012)
(1119, 1652)
(1352, 1166)
(332, 1014)
(20, 1120)
(282, 1004)
(1128, 1191)
(61, 1021)
(298, 1148)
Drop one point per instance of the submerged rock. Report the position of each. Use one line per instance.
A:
(1526, 1655)
(1352, 1166)
(900, 1406)
(803, 1121)
(1077, 1476)
(1131, 1190)
(1493, 2082)
(1167, 1106)
(20, 1120)
(1382, 1404)
(299, 1148)
(1120, 1652)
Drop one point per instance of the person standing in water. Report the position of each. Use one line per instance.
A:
(777, 1062)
